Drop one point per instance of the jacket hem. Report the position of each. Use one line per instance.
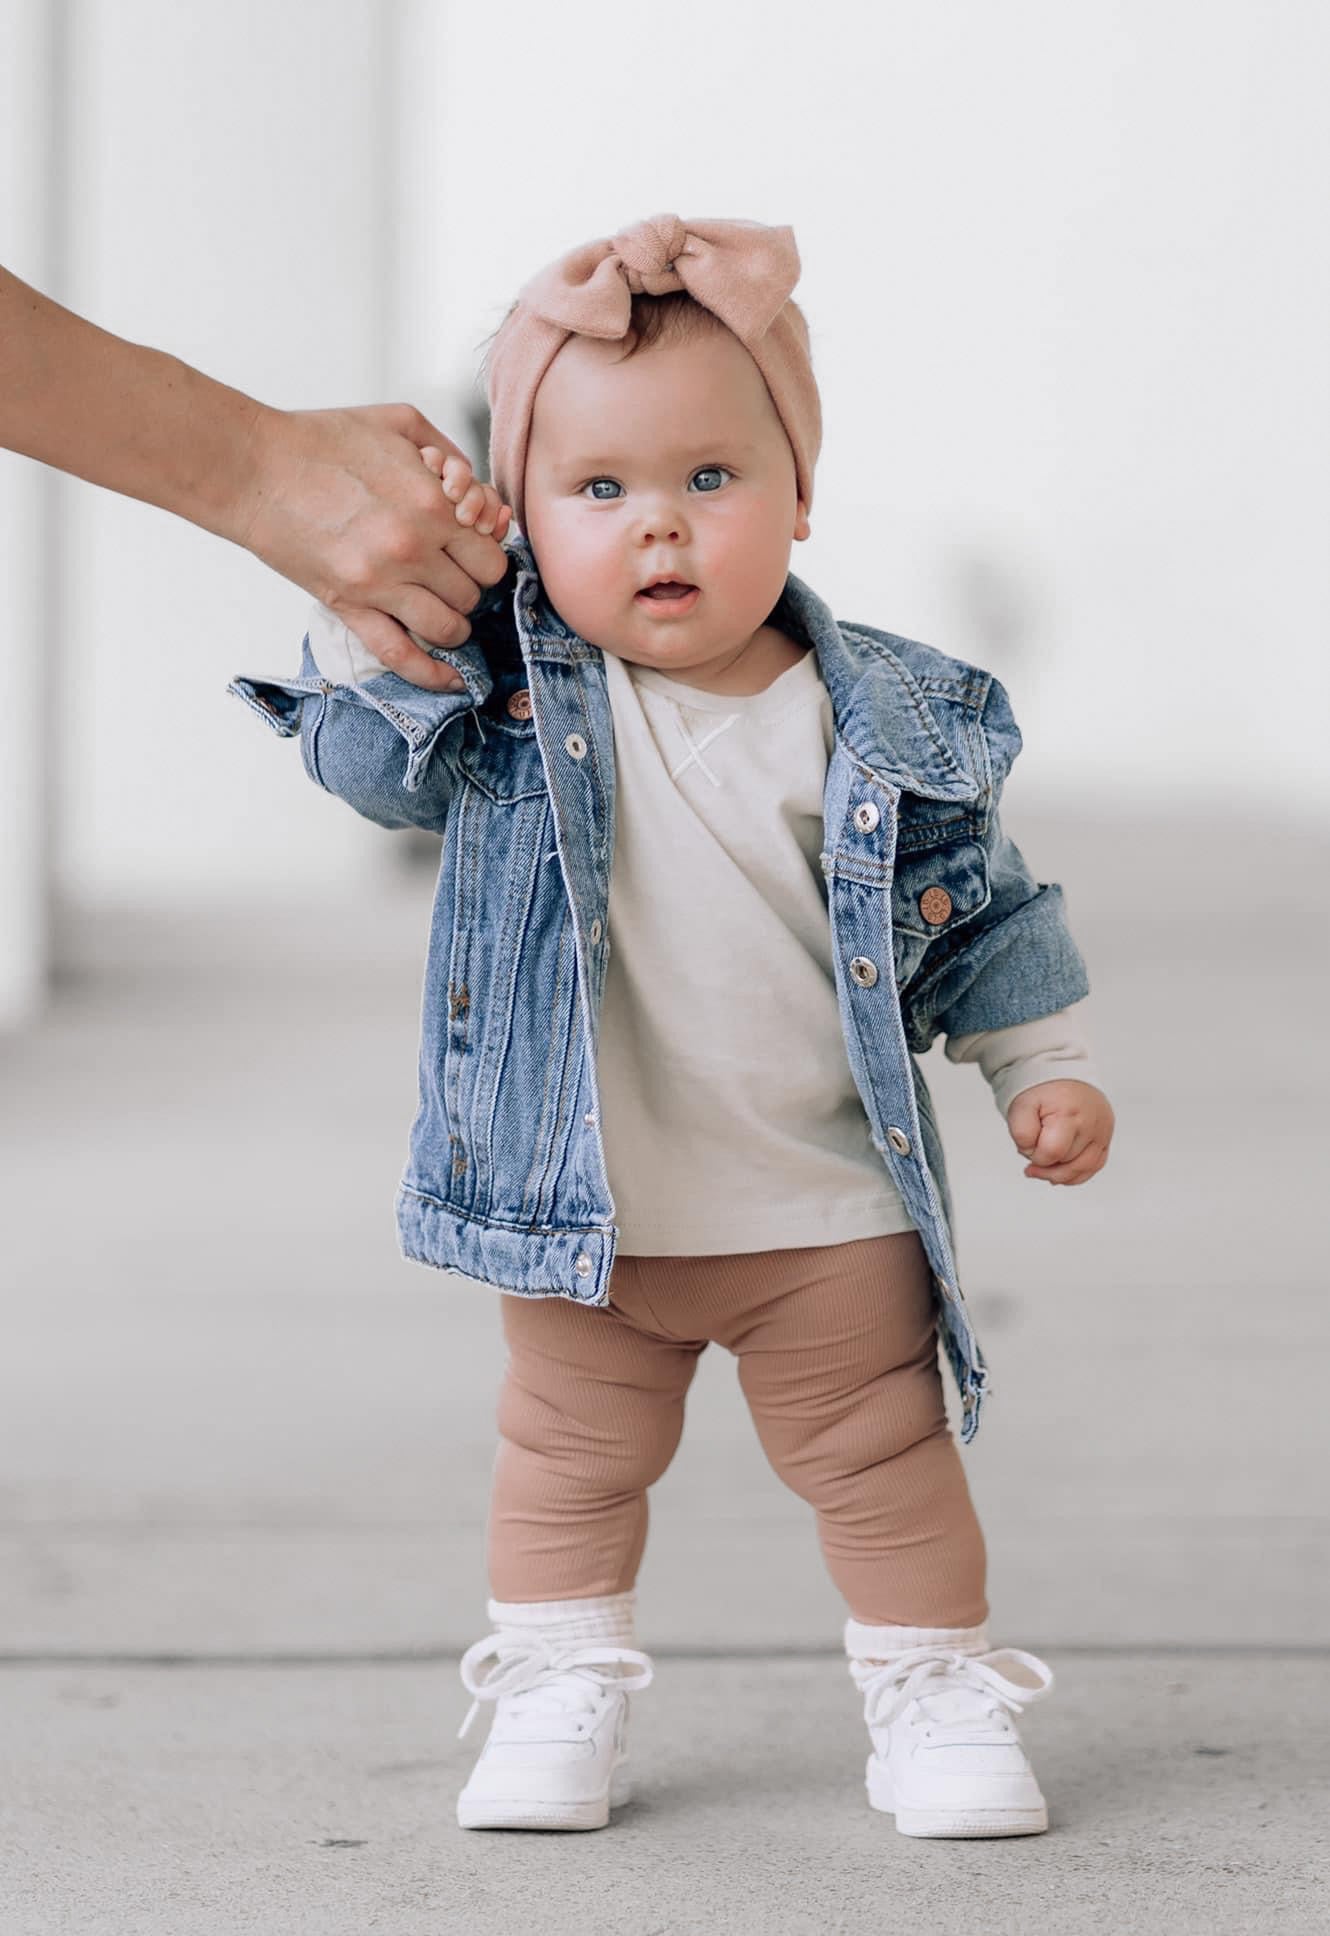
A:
(565, 1262)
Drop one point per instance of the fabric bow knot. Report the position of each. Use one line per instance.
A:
(742, 271)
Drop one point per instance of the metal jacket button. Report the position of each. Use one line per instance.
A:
(899, 1140)
(582, 1264)
(866, 817)
(864, 971)
(519, 704)
(935, 906)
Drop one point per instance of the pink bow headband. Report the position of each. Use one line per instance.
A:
(743, 272)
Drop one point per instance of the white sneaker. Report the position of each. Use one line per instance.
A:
(947, 1759)
(558, 1744)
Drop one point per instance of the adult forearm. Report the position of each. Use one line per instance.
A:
(123, 415)
(338, 501)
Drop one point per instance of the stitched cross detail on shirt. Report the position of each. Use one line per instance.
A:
(698, 747)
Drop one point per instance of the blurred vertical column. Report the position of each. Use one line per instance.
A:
(430, 342)
(428, 283)
(226, 202)
(32, 37)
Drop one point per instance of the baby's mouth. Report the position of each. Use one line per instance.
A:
(671, 590)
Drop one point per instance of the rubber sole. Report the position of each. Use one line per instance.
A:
(967, 1823)
(495, 1811)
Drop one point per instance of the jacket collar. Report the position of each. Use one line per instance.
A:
(881, 713)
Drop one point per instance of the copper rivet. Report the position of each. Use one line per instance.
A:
(519, 704)
(935, 905)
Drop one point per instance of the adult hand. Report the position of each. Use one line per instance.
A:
(336, 500)
(342, 504)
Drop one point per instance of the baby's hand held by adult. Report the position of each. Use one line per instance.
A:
(1063, 1128)
(473, 503)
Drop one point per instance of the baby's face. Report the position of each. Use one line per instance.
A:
(675, 462)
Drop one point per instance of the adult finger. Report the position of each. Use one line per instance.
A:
(480, 556)
(437, 609)
(436, 623)
(390, 643)
(407, 421)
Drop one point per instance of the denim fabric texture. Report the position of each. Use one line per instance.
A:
(505, 1179)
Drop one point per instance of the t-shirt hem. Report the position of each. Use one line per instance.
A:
(690, 1239)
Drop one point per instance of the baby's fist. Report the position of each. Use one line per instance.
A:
(477, 504)
(1063, 1127)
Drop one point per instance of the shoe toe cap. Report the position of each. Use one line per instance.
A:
(562, 1770)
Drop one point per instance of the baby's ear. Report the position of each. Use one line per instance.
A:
(802, 528)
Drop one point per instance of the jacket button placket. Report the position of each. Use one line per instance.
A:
(935, 905)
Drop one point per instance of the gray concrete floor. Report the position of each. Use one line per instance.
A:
(1184, 1795)
(245, 1448)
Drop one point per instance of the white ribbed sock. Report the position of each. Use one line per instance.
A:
(605, 1617)
(865, 1642)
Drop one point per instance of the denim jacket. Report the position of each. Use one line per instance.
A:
(506, 1179)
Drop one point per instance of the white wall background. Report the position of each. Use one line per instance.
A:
(1069, 291)
(1069, 288)
(229, 187)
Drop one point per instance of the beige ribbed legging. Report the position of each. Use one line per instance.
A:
(837, 1351)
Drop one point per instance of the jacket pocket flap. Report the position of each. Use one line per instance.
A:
(932, 890)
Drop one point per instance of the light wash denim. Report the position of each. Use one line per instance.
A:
(505, 1178)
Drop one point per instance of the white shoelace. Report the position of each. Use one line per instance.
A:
(957, 1692)
(550, 1676)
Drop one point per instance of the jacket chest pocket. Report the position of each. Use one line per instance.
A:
(501, 759)
(933, 891)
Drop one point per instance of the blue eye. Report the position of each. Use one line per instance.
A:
(616, 490)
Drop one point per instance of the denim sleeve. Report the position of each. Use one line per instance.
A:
(383, 745)
(1015, 959)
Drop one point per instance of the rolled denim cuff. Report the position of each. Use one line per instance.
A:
(417, 714)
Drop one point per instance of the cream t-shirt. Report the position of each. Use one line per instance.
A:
(730, 1115)
(731, 1118)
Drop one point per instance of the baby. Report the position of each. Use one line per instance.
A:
(716, 868)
